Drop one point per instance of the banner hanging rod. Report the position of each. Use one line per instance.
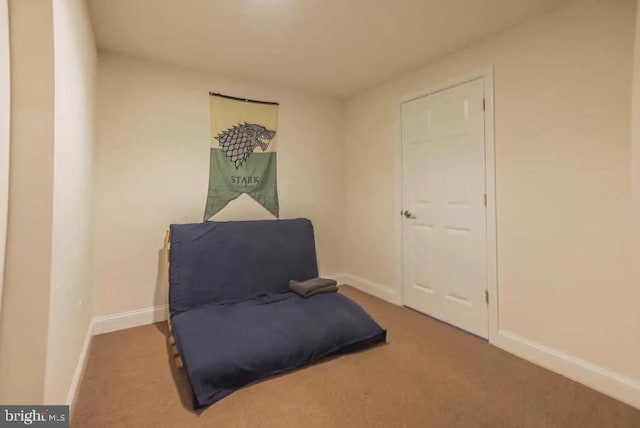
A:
(247, 100)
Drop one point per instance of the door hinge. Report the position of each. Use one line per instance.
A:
(484, 198)
(486, 296)
(484, 104)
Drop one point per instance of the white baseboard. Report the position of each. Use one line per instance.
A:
(369, 287)
(72, 395)
(601, 379)
(135, 318)
(123, 320)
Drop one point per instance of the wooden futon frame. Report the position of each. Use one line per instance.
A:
(173, 349)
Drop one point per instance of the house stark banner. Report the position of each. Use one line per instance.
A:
(243, 153)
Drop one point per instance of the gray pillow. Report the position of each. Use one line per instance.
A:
(313, 286)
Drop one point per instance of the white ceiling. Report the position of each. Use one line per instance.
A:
(338, 47)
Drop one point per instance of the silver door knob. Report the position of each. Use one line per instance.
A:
(408, 214)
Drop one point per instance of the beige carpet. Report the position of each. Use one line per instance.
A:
(427, 375)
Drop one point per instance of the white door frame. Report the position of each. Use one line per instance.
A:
(492, 255)
(5, 111)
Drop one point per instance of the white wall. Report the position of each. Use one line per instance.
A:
(47, 305)
(635, 146)
(71, 303)
(152, 169)
(562, 97)
(25, 302)
(5, 124)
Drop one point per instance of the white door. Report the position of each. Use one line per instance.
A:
(444, 208)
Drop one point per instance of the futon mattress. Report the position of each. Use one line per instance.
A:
(225, 346)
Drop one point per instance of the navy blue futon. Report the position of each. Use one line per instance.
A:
(232, 314)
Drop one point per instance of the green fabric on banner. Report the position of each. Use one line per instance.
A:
(256, 177)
